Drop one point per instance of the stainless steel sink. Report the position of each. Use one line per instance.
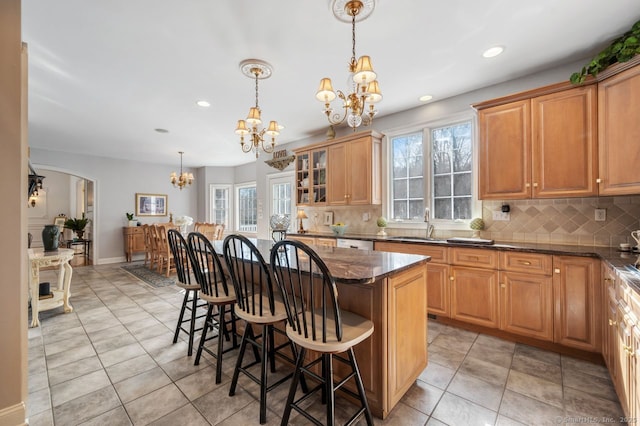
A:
(425, 239)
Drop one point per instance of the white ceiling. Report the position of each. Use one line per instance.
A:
(104, 74)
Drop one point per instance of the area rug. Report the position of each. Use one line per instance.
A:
(148, 276)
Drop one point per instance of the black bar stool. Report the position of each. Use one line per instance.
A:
(215, 291)
(316, 322)
(180, 252)
(257, 304)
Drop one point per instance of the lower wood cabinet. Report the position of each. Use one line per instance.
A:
(577, 307)
(474, 296)
(527, 304)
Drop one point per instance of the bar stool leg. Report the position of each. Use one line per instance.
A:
(293, 387)
(360, 385)
(266, 357)
(331, 396)
(181, 316)
(203, 337)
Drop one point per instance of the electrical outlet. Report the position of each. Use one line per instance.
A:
(601, 215)
(501, 216)
(366, 217)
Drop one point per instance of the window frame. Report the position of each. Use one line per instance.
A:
(282, 177)
(212, 206)
(426, 128)
(237, 188)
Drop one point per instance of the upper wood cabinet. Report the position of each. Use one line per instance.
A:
(351, 171)
(619, 132)
(311, 177)
(539, 144)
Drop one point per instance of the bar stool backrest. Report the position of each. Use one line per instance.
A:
(181, 257)
(206, 266)
(308, 290)
(250, 276)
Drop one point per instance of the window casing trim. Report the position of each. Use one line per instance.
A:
(425, 128)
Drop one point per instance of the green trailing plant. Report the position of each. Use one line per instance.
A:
(129, 216)
(76, 224)
(621, 49)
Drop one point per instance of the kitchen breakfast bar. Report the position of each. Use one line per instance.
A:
(390, 289)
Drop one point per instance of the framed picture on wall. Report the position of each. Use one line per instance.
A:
(151, 204)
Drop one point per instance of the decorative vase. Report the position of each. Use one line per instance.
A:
(50, 237)
(133, 222)
(80, 234)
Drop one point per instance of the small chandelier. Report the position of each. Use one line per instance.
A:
(183, 179)
(365, 89)
(255, 68)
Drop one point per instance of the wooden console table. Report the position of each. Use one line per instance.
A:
(40, 259)
(133, 241)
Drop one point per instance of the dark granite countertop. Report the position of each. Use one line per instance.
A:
(352, 266)
(614, 257)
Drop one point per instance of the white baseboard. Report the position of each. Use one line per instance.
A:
(108, 260)
(14, 415)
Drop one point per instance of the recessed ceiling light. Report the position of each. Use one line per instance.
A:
(161, 130)
(425, 98)
(493, 51)
(203, 104)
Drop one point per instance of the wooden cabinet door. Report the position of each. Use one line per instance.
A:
(474, 296)
(619, 133)
(337, 175)
(505, 151)
(564, 160)
(438, 298)
(577, 313)
(326, 242)
(359, 171)
(527, 304)
(624, 337)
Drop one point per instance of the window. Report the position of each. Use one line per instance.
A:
(444, 183)
(247, 209)
(281, 192)
(220, 204)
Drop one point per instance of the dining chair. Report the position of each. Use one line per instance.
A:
(154, 259)
(214, 290)
(165, 259)
(218, 231)
(206, 229)
(315, 322)
(182, 260)
(257, 304)
(146, 235)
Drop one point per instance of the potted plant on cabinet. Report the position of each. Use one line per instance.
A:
(132, 220)
(77, 225)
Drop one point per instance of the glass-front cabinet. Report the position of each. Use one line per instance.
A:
(311, 177)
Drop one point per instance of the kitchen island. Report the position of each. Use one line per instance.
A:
(390, 289)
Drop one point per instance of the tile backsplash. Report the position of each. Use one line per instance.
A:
(556, 221)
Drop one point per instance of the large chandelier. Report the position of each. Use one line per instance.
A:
(365, 90)
(183, 179)
(257, 69)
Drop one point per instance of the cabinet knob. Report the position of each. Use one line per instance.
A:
(503, 286)
(612, 322)
(557, 270)
(527, 185)
(598, 180)
(535, 184)
(450, 278)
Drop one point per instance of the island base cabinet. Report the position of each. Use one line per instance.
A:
(527, 305)
(577, 312)
(474, 296)
(407, 331)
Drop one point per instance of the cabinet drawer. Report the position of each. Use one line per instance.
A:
(439, 254)
(478, 258)
(526, 262)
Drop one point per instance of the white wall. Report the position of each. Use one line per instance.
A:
(116, 183)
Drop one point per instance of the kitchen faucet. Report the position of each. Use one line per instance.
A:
(427, 217)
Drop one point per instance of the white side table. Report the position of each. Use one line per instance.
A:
(38, 258)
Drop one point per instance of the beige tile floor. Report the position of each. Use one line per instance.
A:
(112, 362)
